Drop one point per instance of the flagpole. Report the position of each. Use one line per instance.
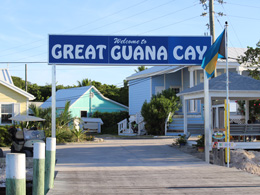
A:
(227, 96)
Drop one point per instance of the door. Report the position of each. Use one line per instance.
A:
(221, 116)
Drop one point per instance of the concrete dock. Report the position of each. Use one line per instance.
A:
(143, 166)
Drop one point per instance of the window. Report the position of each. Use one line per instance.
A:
(83, 114)
(6, 113)
(159, 89)
(175, 89)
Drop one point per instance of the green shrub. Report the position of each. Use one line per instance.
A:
(157, 110)
(201, 141)
(5, 137)
(110, 120)
(78, 134)
(90, 138)
(64, 135)
(181, 140)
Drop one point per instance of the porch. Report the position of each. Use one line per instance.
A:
(135, 126)
(240, 88)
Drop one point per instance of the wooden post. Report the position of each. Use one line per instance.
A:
(15, 174)
(38, 168)
(50, 163)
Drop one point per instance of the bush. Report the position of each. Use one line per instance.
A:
(181, 140)
(110, 120)
(5, 137)
(90, 138)
(78, 134)
(157, 110)
(64, 135)
(201, 141)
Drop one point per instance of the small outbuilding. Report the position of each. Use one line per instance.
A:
(92, 124)
(84, 101)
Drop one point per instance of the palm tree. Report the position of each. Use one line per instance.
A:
(65, 117)
(84, 82)
(44, 113)
(140, 68)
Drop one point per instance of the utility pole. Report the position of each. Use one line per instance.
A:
(211, 20)
(212, 25)
(26, 77)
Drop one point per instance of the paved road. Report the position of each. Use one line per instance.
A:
(147, 166)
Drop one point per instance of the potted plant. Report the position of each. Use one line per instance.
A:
(181, 141)
(201, 143)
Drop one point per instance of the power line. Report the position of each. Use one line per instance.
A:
(232, 27)
(151, 20)
(170, 24)
(248, 18)
(105, 17)
(229, 39)
(81, 25)
(139, 13)
(251, 6)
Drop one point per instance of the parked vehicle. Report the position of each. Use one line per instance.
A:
(1, 153)
(23, 140)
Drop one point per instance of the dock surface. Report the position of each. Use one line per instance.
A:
(143, 166)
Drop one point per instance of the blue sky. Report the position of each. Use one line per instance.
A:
(25, 25)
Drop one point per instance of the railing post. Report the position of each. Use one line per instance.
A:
(38, 168)
(15, 174)
(50, 163)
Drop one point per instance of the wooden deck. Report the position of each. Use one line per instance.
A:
(143, 167)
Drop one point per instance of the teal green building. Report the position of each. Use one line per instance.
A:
(84, 101)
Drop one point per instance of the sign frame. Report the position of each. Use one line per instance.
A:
(207, 39)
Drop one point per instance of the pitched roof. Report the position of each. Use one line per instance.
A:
(236, 83)
(155, 70)
(72, 95)
(233, 54)
(5, 76)
(6, 80)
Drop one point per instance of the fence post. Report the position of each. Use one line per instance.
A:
(50, 163)
(38, 168)
(15, 174)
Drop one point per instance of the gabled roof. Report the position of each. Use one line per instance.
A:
(233, 54)
(5, 76)
(155, 70)
(72, 95)
(6, 80)
(236, 83)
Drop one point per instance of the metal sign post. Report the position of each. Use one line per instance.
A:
(53, 103)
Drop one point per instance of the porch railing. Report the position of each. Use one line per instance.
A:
(166, 123)
(122, 127)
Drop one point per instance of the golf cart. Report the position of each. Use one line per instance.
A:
(23, 140)
(1, 153)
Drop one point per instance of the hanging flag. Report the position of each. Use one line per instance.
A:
(217, 50)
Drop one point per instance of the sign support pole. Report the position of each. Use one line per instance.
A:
(207, 118)
(53, 102)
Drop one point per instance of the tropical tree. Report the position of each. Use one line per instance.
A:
(140, 68)
(251, 59)
(44, 113)
(84, 82)
(78, 133)
(157, 110)
(64, 118)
